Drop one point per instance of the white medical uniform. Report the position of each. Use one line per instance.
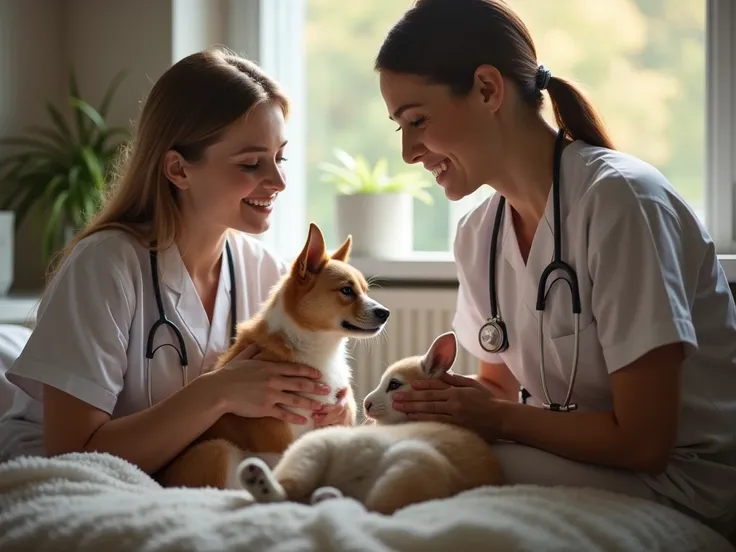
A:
(94, 320)
(648, 276)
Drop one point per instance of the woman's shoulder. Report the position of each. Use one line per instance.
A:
(612, 187)
(256, 255)
(109, 252)
(618, 178)
(109, 246)
(100, 268)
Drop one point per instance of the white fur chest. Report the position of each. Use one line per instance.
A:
(335, 374)
(325, 351)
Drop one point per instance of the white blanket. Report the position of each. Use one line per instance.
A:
(96, 502)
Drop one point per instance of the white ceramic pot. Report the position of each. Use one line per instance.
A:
(7, 250)
(382, 225)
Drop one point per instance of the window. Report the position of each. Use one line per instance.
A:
(662, 84)
(647, 78)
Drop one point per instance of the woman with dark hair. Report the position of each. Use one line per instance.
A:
(640, 343)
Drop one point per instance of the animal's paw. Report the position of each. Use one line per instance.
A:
(257, 479)
(325, 493)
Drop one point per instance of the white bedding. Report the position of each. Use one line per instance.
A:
(94, 502)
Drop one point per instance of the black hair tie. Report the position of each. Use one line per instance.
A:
(544, 75)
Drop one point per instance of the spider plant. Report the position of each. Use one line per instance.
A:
(356, 176)
(62, 167)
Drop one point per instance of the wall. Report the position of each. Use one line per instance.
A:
(32, 58)
(105, 37)
(42, 39)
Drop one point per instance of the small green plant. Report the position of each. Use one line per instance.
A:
(356, 176)
(59, 170)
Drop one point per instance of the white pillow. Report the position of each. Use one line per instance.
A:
(12, 340)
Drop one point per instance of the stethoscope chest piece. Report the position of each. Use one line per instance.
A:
(492, 336)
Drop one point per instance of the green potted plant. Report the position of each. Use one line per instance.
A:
(62, 168)
(375, 206)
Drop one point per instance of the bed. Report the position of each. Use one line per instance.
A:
(93, 502)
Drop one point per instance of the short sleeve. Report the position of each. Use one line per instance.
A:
(79, 344)
(641, 271)
(468, 317)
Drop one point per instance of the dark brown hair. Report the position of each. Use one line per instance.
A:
(446, 40)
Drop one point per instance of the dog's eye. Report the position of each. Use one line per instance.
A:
(393, 385)
(347, 291)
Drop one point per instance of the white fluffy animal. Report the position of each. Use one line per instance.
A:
(387, 465)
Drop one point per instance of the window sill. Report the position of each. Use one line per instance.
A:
(439, 268)
(420, 267)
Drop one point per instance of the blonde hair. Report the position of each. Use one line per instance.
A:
(188, 109)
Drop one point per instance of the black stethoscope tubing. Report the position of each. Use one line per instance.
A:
(493, 335)
(163, 320)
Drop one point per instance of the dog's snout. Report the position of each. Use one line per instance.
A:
(381, 313)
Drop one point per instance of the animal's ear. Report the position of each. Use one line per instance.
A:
(440, 356)
(313, 257)
(343, 253)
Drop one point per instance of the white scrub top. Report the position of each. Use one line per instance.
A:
(93, 323)
(648, 275)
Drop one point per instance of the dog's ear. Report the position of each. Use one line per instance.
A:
(441, 355)
(343, 253)
(313, 257)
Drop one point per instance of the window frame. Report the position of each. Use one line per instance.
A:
(277, 46)
(270, 32)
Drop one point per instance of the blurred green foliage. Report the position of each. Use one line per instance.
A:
(641, 62)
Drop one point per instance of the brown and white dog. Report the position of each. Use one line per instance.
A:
(308, 318)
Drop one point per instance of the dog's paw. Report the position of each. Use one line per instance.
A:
(325, 493)
(257, 479)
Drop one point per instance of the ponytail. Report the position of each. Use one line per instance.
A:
(576, 115)
(446, 41)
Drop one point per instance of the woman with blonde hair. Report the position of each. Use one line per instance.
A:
(146, 297)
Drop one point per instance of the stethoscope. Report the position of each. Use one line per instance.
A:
(163, 320)
(493, 335)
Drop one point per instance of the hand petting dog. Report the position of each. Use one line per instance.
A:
(339, 413)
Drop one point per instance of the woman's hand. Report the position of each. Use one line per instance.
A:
(454, 399)
(334, 414)
(258, 388)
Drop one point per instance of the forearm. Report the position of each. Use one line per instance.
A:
(592, 437)
(152, 437)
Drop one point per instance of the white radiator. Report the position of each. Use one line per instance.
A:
(418, 315)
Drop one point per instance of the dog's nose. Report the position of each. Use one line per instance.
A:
(381, 313)
(368, 405)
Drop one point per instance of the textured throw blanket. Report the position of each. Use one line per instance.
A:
(96, 502)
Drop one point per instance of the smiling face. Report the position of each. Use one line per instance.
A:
(238, 178)
(455, 137)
